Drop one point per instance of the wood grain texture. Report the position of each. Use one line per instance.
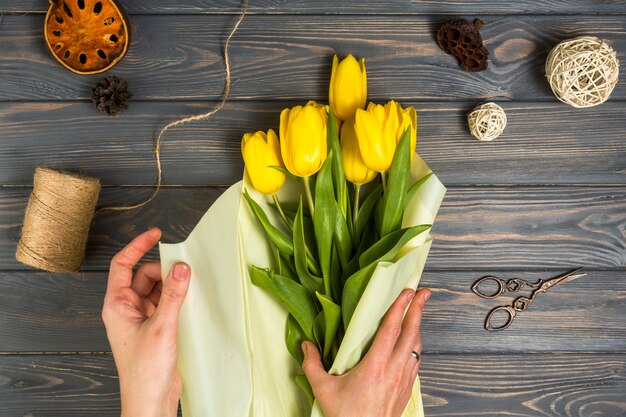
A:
(544, 143)
(571, 385)
(351, 7)
(278, 57)
(41, 312)
(491, 227)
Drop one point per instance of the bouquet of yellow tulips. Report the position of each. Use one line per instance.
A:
(328, 226)
(326, 251)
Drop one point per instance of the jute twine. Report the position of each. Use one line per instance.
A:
(487, 121)
(203, 116)
(582, 71)
(56, 224)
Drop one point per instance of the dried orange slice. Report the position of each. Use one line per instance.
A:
(86, 36)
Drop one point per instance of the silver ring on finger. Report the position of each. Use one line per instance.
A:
(415, 355)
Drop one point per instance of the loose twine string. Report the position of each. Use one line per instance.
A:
(203, 116)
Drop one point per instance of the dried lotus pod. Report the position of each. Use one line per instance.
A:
(462, 39)
(86, 36)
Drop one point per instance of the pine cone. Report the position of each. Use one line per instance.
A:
(111, 96)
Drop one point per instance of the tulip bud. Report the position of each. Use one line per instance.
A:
(261, 152)
(348, 86)
(408, 120)
(303, 138)
(376, 131)
(355, 170)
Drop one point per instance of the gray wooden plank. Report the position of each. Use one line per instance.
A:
(42, 312)
(352, 7)
(278, 57)
(544, 143)
(488, 227)
(571, 385)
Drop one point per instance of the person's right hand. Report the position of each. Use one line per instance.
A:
(381, 384)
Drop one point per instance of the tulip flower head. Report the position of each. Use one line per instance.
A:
(354, 168)
(376, 130)
(408, 119)
(261, 152)
(348, 86)
(303, 138)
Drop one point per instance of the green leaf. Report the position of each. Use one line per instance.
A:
(319, 330)
(279, 239)
(365, 212)
(339, 179)
(303, 383)
(324, 217)
(291, 209)
(332, 318)
(291, 295)
(353, 290)
(336, 278)
(286, 172)
(342, 239)
(294, 336)
(368, 239)
(312, 282)
(386, 248)
(392, 205)
(416, 186)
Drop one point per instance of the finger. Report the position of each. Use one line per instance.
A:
(391, 327)
(146, 277)
(121, 270)
(313, 367)
(172, 295)
(149, 308)
(155, 294)
(409, 339)
(410, 374)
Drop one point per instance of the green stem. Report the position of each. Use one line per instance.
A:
(383, 176)
(309, 195)
(355, 206)
(281, 212)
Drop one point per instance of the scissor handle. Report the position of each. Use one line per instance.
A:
(510, 311)
(501, 286)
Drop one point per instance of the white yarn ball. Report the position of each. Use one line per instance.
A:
(487, 121)
(582, 71)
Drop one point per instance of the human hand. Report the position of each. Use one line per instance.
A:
(140, 314)
(381, 384)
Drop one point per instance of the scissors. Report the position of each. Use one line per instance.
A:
(515, 285)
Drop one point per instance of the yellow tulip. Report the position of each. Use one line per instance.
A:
(303, 138)
(409, 120)
(376, 129)
(355, 170)
(261, 151)
(348, 86)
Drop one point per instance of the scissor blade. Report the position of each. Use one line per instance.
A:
(562, 279)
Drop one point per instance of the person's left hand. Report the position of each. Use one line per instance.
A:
(140, 314)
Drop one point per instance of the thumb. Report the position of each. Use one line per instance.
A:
(312, 366)
(173, 294)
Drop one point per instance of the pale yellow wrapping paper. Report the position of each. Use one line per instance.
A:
(232, 354)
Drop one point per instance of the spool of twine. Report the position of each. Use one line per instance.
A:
(57, 219)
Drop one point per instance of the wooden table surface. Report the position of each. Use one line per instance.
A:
(548, 195)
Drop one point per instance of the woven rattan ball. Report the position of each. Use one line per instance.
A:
(487, 121)
(582, 71)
